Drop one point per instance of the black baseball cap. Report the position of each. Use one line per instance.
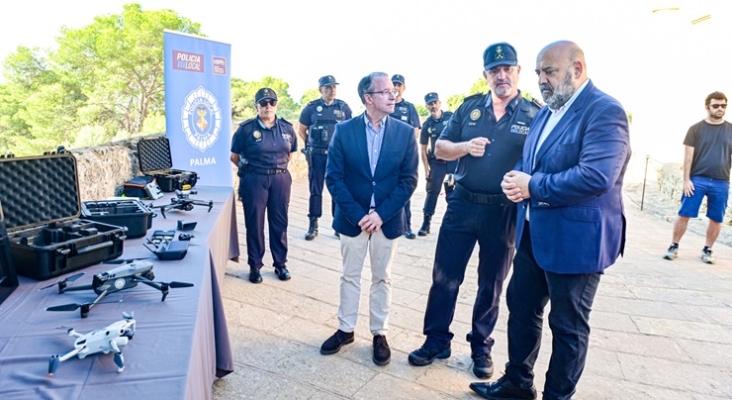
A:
(499, 54)
(398, 79)
(430, 97)
(327, 81)
(265, 93)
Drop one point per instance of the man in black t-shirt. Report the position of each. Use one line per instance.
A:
(707, 163)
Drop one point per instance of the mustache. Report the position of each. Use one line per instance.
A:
(546, 87)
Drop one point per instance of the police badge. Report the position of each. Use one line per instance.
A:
(475, 114)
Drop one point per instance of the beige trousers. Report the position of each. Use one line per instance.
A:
(381, 253)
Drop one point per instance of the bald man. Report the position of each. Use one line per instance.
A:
(570, 223)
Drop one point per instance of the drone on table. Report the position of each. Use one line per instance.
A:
(120, 278)
(183, 201)
(104, 340)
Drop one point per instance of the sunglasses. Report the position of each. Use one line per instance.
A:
(264, 103)
(716, 106)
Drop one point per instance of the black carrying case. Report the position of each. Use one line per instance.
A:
(128, 213)
(40, 197)
(155, 161)
(8, 279)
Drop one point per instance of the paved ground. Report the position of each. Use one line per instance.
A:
(660, 329)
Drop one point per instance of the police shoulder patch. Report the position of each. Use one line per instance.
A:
(537, 103)
(312, 103)
(249, 121)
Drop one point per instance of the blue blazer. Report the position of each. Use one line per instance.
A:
(349, 180)
(576, 216)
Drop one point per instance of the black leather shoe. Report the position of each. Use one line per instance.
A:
(426, 354)
(382, 353)
(282, 273)
(503, 389)
(409, 234)
(312, 229)
(255, 276)
(482, 365)
(334, 343)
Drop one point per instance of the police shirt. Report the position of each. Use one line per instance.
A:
(431, 131)
(404, 111)
(321, 120)
(263, 147)
(475, 118)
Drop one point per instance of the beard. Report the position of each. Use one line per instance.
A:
(559, 96)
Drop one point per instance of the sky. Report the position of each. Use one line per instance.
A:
(657, 64)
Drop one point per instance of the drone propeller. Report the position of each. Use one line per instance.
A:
(53, 364)
(62, 282)
(120, 361)
(75, 306)
(128, 316)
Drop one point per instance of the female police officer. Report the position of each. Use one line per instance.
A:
(261, 149)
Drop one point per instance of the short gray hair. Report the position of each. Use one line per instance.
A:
(367, 84)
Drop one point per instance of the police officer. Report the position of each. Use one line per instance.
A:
(486, 136)
(317, 124)
(435, 168)
(406, 112)
(261, 149)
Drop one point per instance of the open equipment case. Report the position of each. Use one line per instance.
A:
(40, 198)
(155, 160)
(132, 214)
(8, 279)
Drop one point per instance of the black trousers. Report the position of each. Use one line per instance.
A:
(316, 178)
(434, 184)
(571, 297)
(493, 228)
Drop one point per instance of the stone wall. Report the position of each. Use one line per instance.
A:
(103, 169)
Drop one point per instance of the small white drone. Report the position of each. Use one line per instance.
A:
(106, 340)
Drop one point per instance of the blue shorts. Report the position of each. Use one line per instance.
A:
(716, 191)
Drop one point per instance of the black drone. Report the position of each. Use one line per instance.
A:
(120, 278)
(183, 201)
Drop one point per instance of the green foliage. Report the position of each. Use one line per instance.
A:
(242, 98)
(308, 96)
(454, 101)
(104, 81)
(422, 111)
(480, 86)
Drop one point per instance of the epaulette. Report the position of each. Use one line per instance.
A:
(285, 121)
(341, 103)
(312, 103)
(537, 103)
(247, 121)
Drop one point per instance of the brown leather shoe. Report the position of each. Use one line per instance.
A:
(382, 352)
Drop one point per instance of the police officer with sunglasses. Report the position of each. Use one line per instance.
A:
(261, 149)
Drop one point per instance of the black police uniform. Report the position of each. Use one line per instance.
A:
(321, 119)
(477, 210)
(431, 131)
(406, 112)
(264, 184)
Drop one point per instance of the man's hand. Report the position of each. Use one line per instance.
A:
(688, 188)
(427, 173)
(515, 186)
(371, 222)
(476, 146)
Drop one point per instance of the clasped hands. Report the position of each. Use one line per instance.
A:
(515, 186)
(370, 222)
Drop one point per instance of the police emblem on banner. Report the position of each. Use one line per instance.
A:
(201, 118)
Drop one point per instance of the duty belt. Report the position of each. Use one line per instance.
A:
(480, 198)
(265, 171)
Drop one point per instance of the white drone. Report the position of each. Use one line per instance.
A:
(106, 340)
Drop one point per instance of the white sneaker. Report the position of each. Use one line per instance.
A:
(672, 252)
(706, 256)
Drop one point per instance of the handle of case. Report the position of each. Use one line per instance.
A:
(93, 247)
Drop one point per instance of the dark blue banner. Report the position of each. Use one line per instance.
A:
(198, 106)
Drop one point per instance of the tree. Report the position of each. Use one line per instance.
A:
(480, 86)
(454, 101)
(308, 96)
(422, 111)
(242, 98)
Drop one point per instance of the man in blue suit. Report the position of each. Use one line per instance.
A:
(371, 174)
(570, 223)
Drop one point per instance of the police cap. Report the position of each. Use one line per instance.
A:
(430, 97)
(327, 81)
(499, 54)
(265, 93)
(398, 79)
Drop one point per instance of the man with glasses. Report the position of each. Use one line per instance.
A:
(435, 168)
(485, 135)
(707, 163)
(261, 149)
(317, 124)
(371, 173)
(406, 112)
